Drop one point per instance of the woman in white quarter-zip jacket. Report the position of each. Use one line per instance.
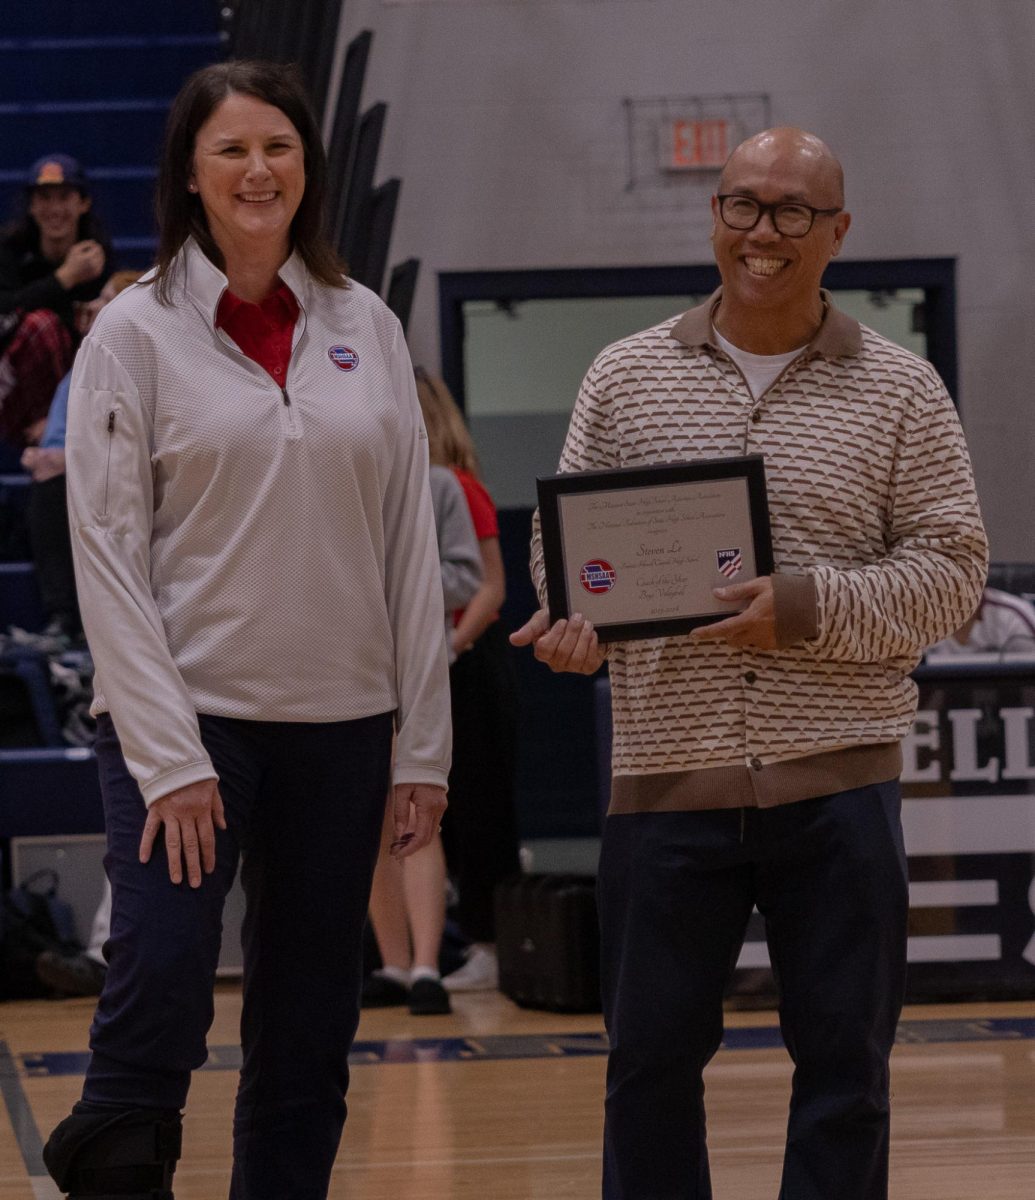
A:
(257, 568)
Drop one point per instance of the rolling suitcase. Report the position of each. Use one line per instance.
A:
(548, 942)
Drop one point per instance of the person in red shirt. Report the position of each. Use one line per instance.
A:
(480, 834)
(54, 258)
(480, 846)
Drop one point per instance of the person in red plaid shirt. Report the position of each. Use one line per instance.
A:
(53, 259)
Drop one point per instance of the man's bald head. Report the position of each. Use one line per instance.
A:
(771, 280)
(806, 155)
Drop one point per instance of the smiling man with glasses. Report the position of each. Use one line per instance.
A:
(755, 762)
(778, 219)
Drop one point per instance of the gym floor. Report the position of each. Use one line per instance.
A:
(499, 1103)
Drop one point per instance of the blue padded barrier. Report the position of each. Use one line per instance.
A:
(20, 602)
(14, 525)
(32, 668)
(47, 792)
(14, 488)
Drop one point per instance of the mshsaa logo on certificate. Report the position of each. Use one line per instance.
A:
(597, 576)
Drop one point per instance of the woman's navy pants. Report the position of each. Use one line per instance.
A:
(304, 805)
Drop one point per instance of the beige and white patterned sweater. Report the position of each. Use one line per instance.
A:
(878, 545)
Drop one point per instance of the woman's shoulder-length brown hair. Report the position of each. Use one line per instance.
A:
(449, 440)
(179, 212)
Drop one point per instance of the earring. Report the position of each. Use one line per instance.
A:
(192, 187)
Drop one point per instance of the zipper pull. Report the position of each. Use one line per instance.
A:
(111, 421)
(283, 392)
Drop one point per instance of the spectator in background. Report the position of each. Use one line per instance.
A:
(480, 833)
(53, 258)
(1003, 624)
(408, 899)
(48, 507)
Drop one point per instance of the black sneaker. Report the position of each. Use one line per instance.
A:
(428, 997)
(71, 974)
(380, 991)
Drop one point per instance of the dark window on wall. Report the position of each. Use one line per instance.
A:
(515, 344)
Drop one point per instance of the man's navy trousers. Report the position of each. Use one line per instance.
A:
(829, 877)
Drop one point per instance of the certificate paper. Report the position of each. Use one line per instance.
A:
(638, 551)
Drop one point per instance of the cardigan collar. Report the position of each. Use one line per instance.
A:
(838, 334)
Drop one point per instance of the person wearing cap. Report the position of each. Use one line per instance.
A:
(53, 258)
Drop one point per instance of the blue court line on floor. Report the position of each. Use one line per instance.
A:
(569, 1045)
(19, 1112)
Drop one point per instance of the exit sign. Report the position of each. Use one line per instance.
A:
(694, 145)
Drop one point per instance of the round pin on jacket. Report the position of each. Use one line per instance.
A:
(343, 357)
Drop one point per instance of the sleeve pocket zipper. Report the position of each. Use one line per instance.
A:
(107, 467)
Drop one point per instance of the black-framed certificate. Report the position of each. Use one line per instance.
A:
(639, 550)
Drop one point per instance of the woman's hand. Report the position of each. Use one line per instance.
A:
(190, 816)
(417, 809)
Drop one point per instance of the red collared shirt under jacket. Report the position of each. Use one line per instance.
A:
(263, 331)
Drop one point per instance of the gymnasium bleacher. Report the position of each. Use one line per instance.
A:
(93, 79)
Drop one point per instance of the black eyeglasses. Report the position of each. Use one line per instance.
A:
(791, 220)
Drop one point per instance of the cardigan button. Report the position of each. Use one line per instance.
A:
(756, 416)
(750, 677)
(756, 764)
